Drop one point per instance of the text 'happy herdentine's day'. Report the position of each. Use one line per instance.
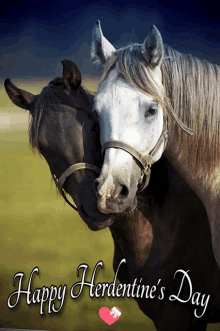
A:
(136, 290)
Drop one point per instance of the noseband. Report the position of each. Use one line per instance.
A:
(65, 175)
(144, 160)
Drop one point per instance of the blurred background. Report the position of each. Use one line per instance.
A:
(36, 227)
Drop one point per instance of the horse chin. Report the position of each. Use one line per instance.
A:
(113, 206)
(96, 226)
(95, 221)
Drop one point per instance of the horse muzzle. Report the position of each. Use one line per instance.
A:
(115, 205)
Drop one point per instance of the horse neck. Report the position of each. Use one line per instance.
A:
(195, 178)
(161, 226)
(133, 233)
(133, 238)
(192, 85)
(140, 237)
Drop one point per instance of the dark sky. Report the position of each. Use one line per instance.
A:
(36, 35)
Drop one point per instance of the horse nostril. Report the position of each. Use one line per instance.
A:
(124, 192)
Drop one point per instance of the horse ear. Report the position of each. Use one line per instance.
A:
(101, 47)
(71, 75)
(153, 47)
(18, 96)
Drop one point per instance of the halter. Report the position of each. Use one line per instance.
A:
(144, 160)
(65, 175)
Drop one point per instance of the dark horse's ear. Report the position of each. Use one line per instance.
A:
(71, 75)
(18, 96)
(152, 47)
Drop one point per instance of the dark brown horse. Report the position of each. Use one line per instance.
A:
(63, 130)
(168, 231)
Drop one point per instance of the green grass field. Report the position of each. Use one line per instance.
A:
(39, 230)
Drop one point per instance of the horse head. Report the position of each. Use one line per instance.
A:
(64, 131)
(129, 105)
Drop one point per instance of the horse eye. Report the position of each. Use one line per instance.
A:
(151, 112)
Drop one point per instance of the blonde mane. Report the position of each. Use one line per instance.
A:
(192, 86)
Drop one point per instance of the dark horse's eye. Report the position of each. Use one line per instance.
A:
(151, 111)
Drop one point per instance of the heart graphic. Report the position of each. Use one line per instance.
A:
(110, 316)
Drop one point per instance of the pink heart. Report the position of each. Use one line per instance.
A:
(104, 313)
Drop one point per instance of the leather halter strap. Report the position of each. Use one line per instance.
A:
(61, 181)
(145, 160)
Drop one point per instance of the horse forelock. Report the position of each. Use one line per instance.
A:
(52, 98)
(135, 70)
